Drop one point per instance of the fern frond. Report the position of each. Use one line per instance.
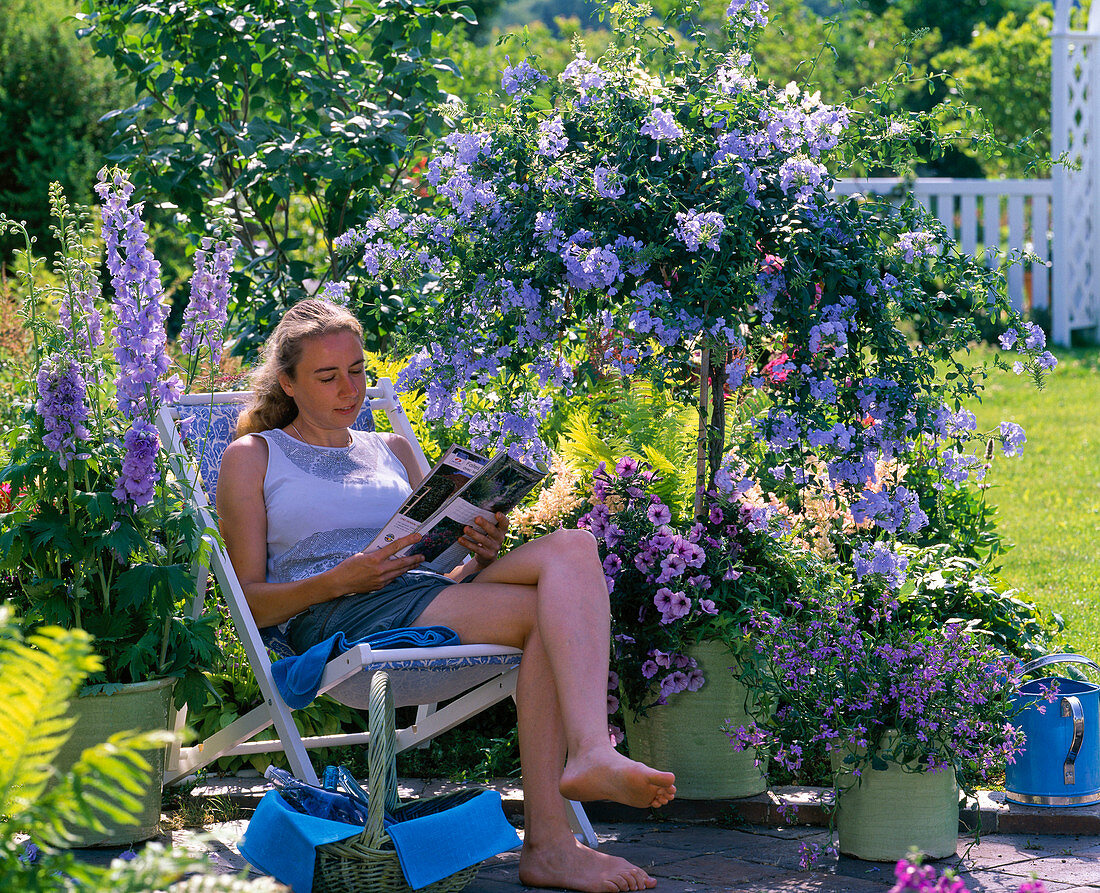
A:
(107, 781)
(37, 679)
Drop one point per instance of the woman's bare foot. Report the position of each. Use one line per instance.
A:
(573, 866)
(602, 773)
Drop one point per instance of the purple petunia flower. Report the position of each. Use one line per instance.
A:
(658, 514)
(626, 467)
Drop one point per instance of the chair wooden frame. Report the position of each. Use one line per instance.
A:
(493, 669)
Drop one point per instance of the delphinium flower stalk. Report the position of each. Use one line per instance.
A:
(142, 383)
(206, 314)
(62, 406)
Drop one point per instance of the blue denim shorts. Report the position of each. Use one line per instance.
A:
(395, 606)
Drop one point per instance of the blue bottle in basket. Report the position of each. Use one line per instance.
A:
(1060, 763)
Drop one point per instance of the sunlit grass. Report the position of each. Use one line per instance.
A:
(1048, 499)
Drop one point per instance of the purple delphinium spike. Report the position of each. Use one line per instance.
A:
(205, 316)
(142, 383)
(62, 406)
(137, 482)
(78, 315)
(140, 338)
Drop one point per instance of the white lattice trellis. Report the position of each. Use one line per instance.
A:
(1075, 92)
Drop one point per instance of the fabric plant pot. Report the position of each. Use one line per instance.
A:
(100, 711)
(685, 736)
(885, 813)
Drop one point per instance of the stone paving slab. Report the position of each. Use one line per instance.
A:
(708, 857)
(801, 806)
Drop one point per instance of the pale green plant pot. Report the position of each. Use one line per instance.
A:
(100, 711)
(685, 736)
(885, 813)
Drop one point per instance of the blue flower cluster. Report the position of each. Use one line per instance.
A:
(62, 406)
(619, 221)
(205, 316)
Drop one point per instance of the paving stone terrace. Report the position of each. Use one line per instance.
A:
(744, 845)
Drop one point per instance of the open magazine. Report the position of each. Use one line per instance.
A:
(460, 488)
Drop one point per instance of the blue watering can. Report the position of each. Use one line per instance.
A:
(1060, 763)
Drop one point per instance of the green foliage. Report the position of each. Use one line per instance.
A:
(480, 63)
(81, 556)
(956, 20)
(52, 95)
(39, 674)
(1005, 71)
(944, 587)
(292, 114)
(233, 691)
(631, 419)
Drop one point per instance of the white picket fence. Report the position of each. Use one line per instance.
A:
(991, 220)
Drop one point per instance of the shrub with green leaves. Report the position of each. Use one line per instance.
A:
(286, 115)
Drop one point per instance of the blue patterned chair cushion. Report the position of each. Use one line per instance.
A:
(208, 429)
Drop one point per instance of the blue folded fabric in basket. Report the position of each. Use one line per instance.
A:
(432, 847)
(299, 677)
(283, 842)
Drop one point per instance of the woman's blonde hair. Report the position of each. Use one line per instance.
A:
(271, 406)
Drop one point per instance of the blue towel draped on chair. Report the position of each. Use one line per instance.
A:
(298, 677)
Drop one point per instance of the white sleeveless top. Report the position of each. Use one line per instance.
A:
(326, 503)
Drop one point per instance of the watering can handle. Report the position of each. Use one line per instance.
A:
(1072, 706)
(1048, 659)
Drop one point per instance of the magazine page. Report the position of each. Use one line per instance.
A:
(451, 473)
(499, 487)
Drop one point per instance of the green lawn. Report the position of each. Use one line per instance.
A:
(1048, 499)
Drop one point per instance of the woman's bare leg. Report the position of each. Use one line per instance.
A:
(561, 711)
(572, 616)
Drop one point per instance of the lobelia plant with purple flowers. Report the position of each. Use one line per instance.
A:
(663, 202)
(844, 672)
(675, 581)
(98, 534)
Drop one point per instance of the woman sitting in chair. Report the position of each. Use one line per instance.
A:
(300, 495)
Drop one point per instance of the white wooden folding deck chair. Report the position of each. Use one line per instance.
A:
(470, 678)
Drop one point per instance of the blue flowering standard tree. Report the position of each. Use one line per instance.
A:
(664, 205)
(99, 535)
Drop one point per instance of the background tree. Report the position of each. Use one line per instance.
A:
(52, 95)
(290, 117)
(1005, 71)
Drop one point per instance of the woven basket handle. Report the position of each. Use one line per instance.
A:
(381, 763)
